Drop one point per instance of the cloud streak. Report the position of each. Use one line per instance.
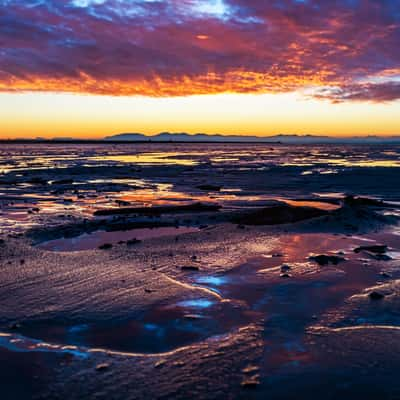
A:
(342, 50)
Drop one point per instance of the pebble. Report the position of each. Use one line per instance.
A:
(105, 246)
(132, 242)
(102, 367)
(323, 259)
(376, 295)
(160, 363)
(250, 383)
(190, 268)
(15, 326)
(250, 368)
(285, 268)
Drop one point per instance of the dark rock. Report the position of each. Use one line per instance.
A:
(209, 188)
(376, 295)
(378, 249)
(276, 215)
(106, 246)
(323, 259)
(132, 242)
(190, 268)
(352, 201)
(285, 268)
(63, 182)
(158, 210)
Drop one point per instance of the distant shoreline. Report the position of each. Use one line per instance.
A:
(88, 141)
(155, 142)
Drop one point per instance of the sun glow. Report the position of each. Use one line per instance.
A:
(74, 115)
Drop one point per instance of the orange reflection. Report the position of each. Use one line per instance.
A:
(149, 158)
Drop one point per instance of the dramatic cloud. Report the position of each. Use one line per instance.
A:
(340, 50)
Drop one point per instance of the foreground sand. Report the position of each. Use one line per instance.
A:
(129, 322)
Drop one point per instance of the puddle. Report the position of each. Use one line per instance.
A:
(93, 240)
(160, 329)
(311, 203)
(22, 344)
(152, 159)
(146, 175)
(287, 306)
(253, 292)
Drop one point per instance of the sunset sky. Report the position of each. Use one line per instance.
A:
(91, 68)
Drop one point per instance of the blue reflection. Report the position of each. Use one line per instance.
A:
(155, 329)
(198, 303)
(213, 280)
(151, 327)
(78, 328)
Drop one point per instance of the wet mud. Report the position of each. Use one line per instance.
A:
(285, 286)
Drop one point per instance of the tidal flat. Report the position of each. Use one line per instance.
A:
(207, 271)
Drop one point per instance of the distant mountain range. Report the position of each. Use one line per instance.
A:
(202, 137)
(167, 137)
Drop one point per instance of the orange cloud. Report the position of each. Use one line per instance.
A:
(175, 48)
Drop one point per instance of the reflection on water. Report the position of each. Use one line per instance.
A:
(150, 158)
(18, 157)
(316, 204)
(72, 181)
(251, 292)
(213, 280)
(198, 303)
(95, 239)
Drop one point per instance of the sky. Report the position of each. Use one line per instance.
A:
(93, 68)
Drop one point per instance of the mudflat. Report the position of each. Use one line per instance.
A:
(202, 271)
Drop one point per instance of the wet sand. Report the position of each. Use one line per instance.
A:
(199, 305)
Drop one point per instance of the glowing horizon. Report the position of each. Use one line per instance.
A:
(93, 68)
(55, 115)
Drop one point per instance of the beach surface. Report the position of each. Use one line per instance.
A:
(207, 271)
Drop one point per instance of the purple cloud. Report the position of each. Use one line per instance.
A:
(166, 48)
